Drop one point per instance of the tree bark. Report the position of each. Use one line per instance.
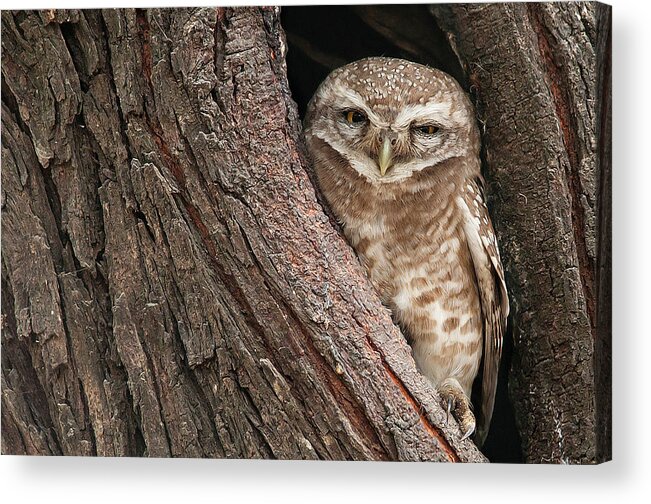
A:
(540, 75)
(170, 284)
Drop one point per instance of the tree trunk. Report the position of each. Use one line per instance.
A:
(171, 285)
(540, 77)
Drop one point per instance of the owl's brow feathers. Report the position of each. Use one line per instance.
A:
(348, 98)
(433, 111)
(439, 109)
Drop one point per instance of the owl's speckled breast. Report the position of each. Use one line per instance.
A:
(416, 255)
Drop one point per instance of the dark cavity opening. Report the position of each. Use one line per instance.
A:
(322, 38)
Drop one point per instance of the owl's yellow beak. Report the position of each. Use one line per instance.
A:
(385, 158)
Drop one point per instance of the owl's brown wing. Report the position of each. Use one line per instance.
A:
(489, 273)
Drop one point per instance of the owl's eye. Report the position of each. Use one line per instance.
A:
(427, 129)
(354, 117)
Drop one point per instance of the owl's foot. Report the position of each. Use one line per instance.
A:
(456, 402)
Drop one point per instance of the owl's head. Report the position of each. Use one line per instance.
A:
(390, 118)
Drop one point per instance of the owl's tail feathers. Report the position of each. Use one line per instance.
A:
(484, 422)
(482, 433)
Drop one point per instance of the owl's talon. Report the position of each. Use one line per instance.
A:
(468, 429)
(458, 404)
(465, 418)
(449, 408)
(468, 434)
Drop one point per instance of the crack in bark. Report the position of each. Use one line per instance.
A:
(13, 352)
(109, 70)
(219, 53)
(11, 104)
(72, 44)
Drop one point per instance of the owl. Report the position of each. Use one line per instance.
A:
(395, 148)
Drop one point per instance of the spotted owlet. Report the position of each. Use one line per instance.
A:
(395, 147)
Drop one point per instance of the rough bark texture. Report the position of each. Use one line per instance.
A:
(170, 284)
(540, 76)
